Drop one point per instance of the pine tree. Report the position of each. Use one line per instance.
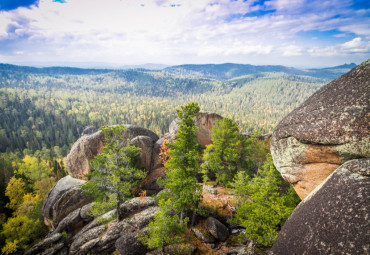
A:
(183, 193)
(181, 168)
(113, 173)
(224, 156)
(264, 205)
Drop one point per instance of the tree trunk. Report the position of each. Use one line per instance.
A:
(118, 206)
(181, 216)
(193, 218)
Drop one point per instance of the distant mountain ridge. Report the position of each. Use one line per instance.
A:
(212, 71)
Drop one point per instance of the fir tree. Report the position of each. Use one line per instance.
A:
(225, 156)
(113, 173)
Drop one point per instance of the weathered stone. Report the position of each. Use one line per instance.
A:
(176, 249)
(205, 121)
(62, 199)
(83, 243)
(84, 213)
(50, 245)
(128, 244)
(135, 205)
(83, 150)
(328, 129)
(69, 222)
(146, 145)
(334, 218)
(203, 235)
(142, 219)
(67, 203)
(88, 146)
(217, 229)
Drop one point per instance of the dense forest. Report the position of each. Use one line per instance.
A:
(44, 110)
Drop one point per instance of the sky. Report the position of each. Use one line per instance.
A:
(297, 33)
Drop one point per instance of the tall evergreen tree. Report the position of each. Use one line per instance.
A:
(181, 168)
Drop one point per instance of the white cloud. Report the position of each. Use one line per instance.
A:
(174, 31)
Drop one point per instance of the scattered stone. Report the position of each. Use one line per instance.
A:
(217, 229)
(203, 235)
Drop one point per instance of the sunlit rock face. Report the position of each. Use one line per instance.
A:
(328, 129)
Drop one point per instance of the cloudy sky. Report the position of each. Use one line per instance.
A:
(300, 33)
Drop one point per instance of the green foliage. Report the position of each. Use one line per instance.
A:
(181, 168)
(264, 206)
(10, 247)
(183, 193)
(22, 231)
(224, 156)
(15, 191)
(33, 169)
(114, 172)
(165, 228)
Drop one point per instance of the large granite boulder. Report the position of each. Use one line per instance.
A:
(332, 219)
(88, 146)
(64, 198)
(328, 129)
(83, 150)
(205, 121)
(145, 143)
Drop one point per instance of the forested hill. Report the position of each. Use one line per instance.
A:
(214, 71)
(44, 110)
(230, 70)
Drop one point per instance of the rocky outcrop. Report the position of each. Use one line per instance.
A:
(328, 129)
(55, 244)
(334, 218)
(217, 229)
(96, 238)
(64, 198)
(88, 146)
(135, 205)
(205, 121)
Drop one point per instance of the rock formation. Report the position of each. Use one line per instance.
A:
(323, 149)
(64, 198)
(88, 146)
(205, 121)
(334, 218)
(328, 129)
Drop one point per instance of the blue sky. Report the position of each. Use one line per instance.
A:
(300, 33)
